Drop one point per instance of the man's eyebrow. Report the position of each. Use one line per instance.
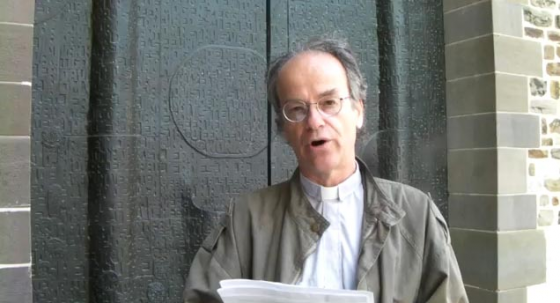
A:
(326, 93)
(329, 92)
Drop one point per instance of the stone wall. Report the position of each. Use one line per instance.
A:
(491, 129)
(16, 38)
(542, 24)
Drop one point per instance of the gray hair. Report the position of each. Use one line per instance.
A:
(339, 48)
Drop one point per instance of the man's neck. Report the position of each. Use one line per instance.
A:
(332, 178)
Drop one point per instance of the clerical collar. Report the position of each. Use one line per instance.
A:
(339, 192)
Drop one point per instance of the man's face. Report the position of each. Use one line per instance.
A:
(324, 146)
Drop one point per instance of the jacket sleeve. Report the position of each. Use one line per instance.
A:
(441, 281)
(217, 259)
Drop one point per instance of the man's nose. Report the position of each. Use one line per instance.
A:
(314, 118)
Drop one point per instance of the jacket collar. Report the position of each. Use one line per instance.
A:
(333, 193)
(377, 205)
(310, 225)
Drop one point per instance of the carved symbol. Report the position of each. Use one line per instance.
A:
(156, 292)
(50, 139)
(217, 100)
(49, 9)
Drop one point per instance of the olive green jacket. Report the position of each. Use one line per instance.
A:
(405, 256)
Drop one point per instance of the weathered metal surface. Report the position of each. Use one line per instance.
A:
(177, 129)
(412, 144)
(59, 192)
(149, 117)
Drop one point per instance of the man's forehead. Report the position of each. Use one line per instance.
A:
(311, 67)
(311, 74)
(310, 58)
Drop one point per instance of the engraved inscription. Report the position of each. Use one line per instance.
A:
(213, 191)
(216, 101)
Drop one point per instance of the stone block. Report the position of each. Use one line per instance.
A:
(533, 32)
(477, 255)
(449, 5)
(538, 87)
(14, 150)
(544, 107)
(517, 130)
(471, 131)
(518, 56)
(500, 260)
(491, 130)
(507, 18)
(15, 52)
(17, 11)
(543, 3)
(521, 258)
(546, 217)
(469, 22)
(471, 57)
(511, 93)
(537, 153)
(456, 4)
(493, 212)
(472, 171)
(552, 184)
(548, 52)
(486, 94)
(522, 2)
(479, 295)
(15, 285)
(554, 126)
(512, 174)
(554, 36)
(555, 89)
(487, 171)
(472, 95)
(14, 172)
(15, 237)
(537, 18)
(553, 69)
(15, 110)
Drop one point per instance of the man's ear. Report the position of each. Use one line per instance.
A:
(360, 122)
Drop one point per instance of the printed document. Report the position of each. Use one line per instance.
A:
(252, 291)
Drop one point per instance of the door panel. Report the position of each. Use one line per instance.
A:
(149, 117)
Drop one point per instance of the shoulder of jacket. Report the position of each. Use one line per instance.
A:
(422, 221)
(401, 194)
(264, 200)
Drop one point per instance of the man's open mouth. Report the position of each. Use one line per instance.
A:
(318, 143)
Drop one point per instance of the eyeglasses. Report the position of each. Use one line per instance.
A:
(297, 111)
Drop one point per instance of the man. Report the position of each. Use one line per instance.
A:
(333, 224)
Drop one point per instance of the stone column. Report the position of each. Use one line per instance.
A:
(492, 215)
(16, 38)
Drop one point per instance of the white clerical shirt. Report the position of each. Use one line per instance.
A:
(333, 265)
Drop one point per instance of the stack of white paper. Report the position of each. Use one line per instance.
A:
(251, 291)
